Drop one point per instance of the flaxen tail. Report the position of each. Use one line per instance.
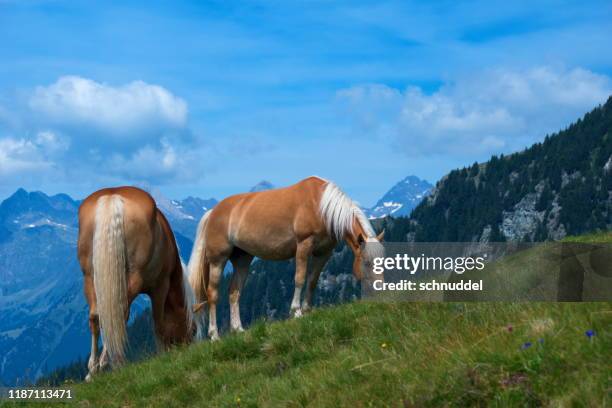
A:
(110, 275)
(198, 265)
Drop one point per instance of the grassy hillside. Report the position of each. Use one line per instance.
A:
(366, 354)
(398, 355)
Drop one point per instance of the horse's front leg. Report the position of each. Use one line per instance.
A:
(304, 249)
(318, 262)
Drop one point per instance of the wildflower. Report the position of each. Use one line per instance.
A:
(510, 328)
(541, 341)
(384, 345)
(589, 333)
(526, 345)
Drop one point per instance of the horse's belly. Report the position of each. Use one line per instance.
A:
(268, 249)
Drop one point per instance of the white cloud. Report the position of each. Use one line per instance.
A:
(31, 155)
(487, 112)
(85, 130)
(20, 156)
(149, 163)
(51, 142)
(126, 109)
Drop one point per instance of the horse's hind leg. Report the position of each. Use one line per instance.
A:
(318, 262)
(94, 327)
(96, 362)
(241, 262)
(304, 248)
(216, 271)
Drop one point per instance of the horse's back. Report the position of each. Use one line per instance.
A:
(268, 223)
(306, 191)
(270, 206)
(138, 206)
(132, 197)
(139, 213)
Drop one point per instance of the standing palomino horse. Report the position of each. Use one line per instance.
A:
(304, 220)
(126, 247)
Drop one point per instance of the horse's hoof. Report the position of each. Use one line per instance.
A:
(297, 313)
(88, 377)
(238, 330)
(213, 336)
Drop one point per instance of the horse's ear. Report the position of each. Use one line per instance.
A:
(198, 306)
(380, 237)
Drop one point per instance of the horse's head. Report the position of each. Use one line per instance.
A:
(345, 220)
(366, 247)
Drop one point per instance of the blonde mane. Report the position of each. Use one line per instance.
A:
(339, 211)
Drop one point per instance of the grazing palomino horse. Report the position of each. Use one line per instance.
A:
(304, 220)
(126, 247)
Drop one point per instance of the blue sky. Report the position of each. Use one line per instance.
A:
(208, 98)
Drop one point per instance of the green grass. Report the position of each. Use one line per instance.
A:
(371, 354)
(593, 238)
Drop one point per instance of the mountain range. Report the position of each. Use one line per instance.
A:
(262, 186)
(40, 304)
(184, 216)
(401, 199)
(44, 313)
(560, 186)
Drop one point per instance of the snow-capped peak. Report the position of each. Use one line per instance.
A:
(401, 199)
